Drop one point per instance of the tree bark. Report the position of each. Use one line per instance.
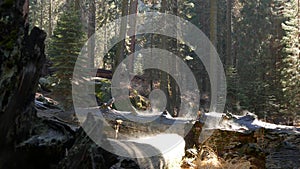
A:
(22, 58)
(175, 94)
(122, 33)
(132, 28)
(164, 45)
(41, 24)
(213, 38)
(91, 32)
(50, 18)
(229, 61)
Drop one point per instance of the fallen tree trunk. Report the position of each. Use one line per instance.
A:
(264, 145)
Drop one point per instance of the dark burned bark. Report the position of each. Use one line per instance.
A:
(21, 60)
(86, 154)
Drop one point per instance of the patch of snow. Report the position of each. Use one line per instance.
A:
(246, 123)
(270, 125)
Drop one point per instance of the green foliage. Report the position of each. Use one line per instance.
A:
(234, 92)
(291, 61)
(110, 12)
(138, 101)
(103, 90)
(251, 32)
(254, 80)
(265, 48)
(257, 31)
(64, 48)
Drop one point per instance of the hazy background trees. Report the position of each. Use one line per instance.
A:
(258, 43)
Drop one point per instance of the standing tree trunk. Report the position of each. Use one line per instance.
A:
(213, 38)
(50, 18)
(41, 14)
(26, 12)
(122, 33)
(77, 4)
(132, 28)
(33, 16)
(201, 9)
(174, 94)
(213, 24)
(21, 61)
(229, 61)
(91, 32)
(164, 45)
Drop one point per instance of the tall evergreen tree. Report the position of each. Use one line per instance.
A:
(291, 61)
(65, 45)
(254, 32)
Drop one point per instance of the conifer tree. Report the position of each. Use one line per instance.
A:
(65, 45)
(291, 61)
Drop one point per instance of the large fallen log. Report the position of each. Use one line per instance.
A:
(265, 145)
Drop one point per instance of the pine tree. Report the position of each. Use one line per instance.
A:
(65, 45)
(291, 61)
(256, 31)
